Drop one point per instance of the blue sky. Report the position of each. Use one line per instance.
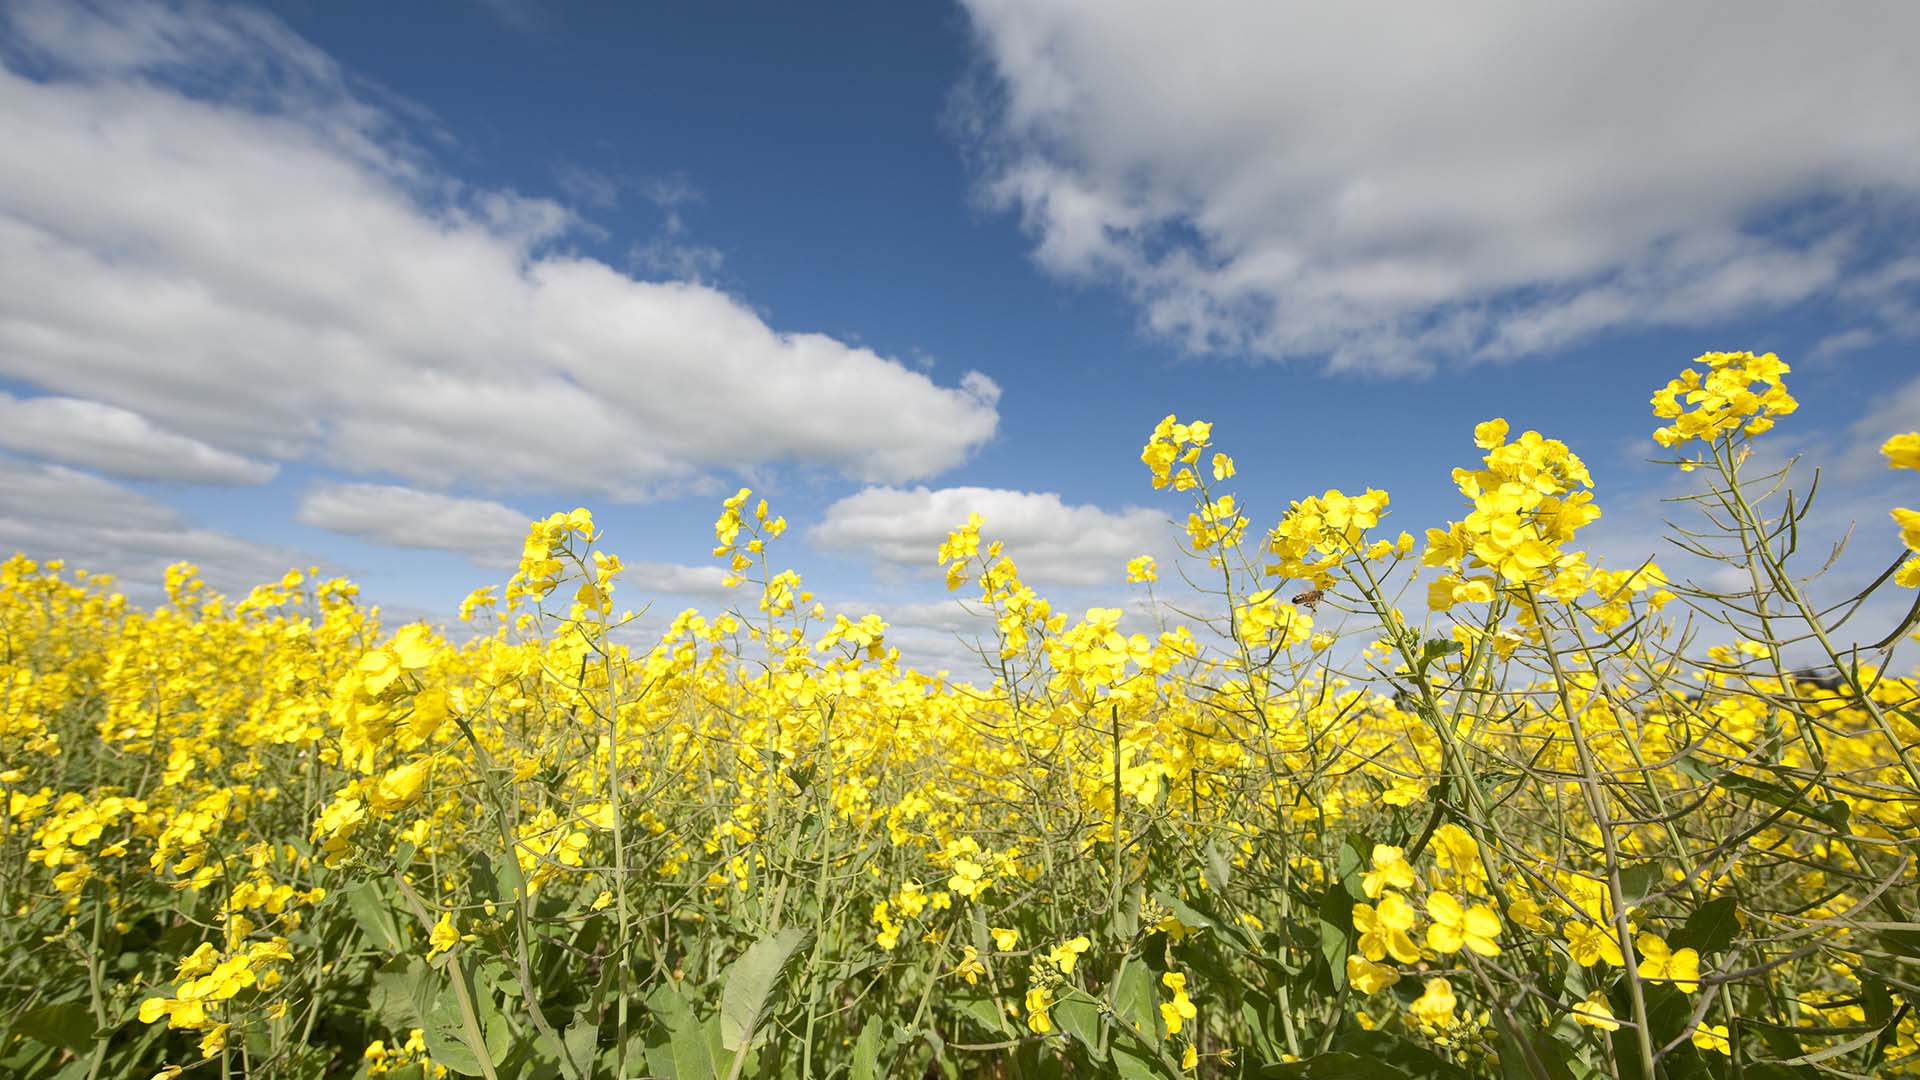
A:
(368, 285)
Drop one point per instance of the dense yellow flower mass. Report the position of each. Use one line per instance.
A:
(1538, 822)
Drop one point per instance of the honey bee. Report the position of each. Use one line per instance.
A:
(1310, 599)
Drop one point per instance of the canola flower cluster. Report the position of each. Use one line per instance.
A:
(1541, 828)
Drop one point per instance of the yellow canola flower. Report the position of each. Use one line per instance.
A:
(1369, 977)
(1713, 1038)
(1454, 927)
(1903, 451)
(443, 937)
(1591, 943)
(1909, 522)
(1177, 1012)
(1596, 1012)
(1658, 963)
(1066, 954)
(1039, 1000)
(1740, 391)
(1390, 869)
(1435, 1004)
(970, 968)
(1386, 930)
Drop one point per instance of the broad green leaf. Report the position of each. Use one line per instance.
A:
(977, 1004)
(866, 1051)
(676, 1048)
(1410, 1058)
(1711, 928)
(1639, 882)
(374, 917)
(1258, 1011)
(66, 1024)
(1134, 999)
(1336, 932)
(1219, 863)
(1036, 1061)
(403, 993)
(750, 983)
(1133, 1063)
(1355, 859)
(1081, 1019)
(578, 1044)
(446, 1036)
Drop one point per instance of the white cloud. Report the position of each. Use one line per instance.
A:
(1385, 185)
(1895, 411)
(1842, 342)
(51, 511)
(1052, 543)
(289, 280)
(667, 258)
(487, 532)
(114, 440)
(589, 186)
(676, 579)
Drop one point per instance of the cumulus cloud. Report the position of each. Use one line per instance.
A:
(51, 511)
(1383, 186)
(1051, 541)
(291, 279)
(677, 579)
(487, 532)
(117, 441)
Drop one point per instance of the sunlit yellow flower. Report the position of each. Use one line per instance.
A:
(1455, 927)
(1596, 1012)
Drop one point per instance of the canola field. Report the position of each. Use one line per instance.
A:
(1370, 799)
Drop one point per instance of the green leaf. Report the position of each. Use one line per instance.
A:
(1334, 1065)
(446, 1036)
(578, 1044)
(974, 1002)
(866, 1051)
(1711, 928)
(1081, 1019)
(1257, 1012)
(1832, 814)
(1437, 648)
(676, 1048)
(403, 994)
(1219, 863)
(750, 982)
(1134, 1000)
(494, 1032)
(66, 1024)
(1132, 1063)
(1355, 859)
(1411, 1058)
(1639, 882)
(1336, 932)
(1523, 1057)
(1033, 1060)
(375, 919)
(1194, 913)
